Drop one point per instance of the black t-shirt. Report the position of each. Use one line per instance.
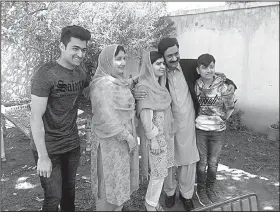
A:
(62, 87)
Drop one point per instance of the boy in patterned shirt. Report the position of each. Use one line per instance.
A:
(216, 104)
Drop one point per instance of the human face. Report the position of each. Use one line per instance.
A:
(119, 63)
(172, 57)
(206, 73)
(159, 67)
(73, 54)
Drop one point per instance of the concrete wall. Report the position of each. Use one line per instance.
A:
(244, 39)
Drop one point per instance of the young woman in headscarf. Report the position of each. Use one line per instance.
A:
(157, 126)
(114, 154)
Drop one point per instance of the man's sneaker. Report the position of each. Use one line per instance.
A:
(203, 197)
(212, 194)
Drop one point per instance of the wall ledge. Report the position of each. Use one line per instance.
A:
(238, 6)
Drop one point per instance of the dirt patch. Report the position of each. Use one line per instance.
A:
(250, 163)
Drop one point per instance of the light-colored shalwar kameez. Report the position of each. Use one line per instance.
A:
(186, 153)
(114, 171)
(158, 123)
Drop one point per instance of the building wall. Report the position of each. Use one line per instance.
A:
(244, 39)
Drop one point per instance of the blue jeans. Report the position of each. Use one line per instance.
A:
(209, 144)
(59, 188)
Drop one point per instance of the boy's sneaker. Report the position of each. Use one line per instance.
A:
(212, 194)
(202, 197)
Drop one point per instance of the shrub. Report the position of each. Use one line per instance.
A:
(234, 122)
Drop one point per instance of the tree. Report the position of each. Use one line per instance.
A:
(30, 33)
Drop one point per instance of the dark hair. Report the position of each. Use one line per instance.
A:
(154, 55)
(119, 48)
(75, 32)
(166, 43)
(205, 59)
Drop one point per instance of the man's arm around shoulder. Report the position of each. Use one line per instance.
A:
(231, 83)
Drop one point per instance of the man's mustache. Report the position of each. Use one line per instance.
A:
(174, 61)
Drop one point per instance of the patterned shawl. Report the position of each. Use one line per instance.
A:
(111, 100)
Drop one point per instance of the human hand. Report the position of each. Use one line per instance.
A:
(44, 166)
(230, 88)
(155, 148)
(139, 95)
(86, 92)
(131, 144)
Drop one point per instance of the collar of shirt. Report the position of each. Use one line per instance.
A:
(201, 83)
(178, 68)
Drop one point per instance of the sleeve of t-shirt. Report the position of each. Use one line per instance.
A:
(41, 83)
(228, 99)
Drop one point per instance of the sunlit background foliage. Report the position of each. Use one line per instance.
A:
(30, 33)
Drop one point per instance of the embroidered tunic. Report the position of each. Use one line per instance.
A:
(153, 124)
(116, 166)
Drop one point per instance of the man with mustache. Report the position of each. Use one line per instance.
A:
(181, 78)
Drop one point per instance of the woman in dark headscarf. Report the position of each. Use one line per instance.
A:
(157, 126)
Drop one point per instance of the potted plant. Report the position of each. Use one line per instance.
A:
(273, 132)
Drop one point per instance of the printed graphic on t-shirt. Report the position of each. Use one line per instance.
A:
(214, 103)
(64, 88)
(207, 101)
(210, 102)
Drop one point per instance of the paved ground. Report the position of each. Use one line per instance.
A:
(234, 182)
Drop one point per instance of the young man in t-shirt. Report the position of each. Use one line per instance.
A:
(55, 142)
